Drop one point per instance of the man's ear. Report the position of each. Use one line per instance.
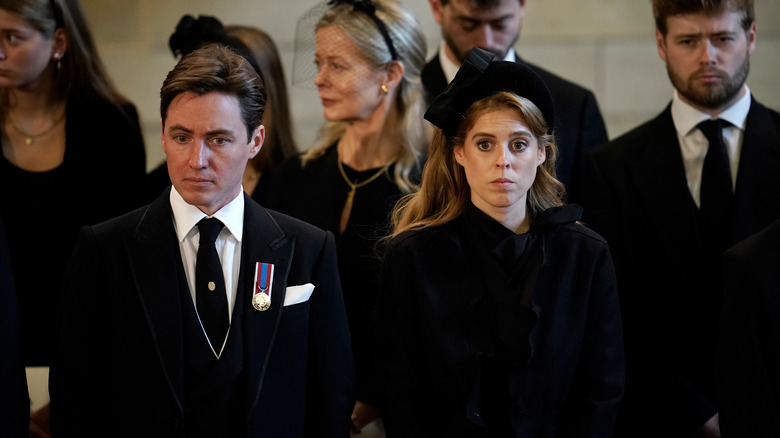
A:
(436, 9)
(257, 139)
(660, 43)
(751, 38)
(162, 136)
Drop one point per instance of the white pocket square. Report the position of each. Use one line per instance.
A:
(298, 294)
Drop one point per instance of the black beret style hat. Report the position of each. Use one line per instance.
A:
(480, 77)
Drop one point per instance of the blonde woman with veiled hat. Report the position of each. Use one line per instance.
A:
(497, 313)
(365, 58)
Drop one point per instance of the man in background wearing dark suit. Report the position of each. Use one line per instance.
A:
(154, 344)
(670, 196)
(494, 25)
(748, 361)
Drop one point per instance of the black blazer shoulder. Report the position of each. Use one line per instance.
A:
(634, 144)
(106, 148)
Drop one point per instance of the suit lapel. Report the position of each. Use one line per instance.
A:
(264, 241)
(153, 256)
(433, 78)
(758, 179)
(658, 174)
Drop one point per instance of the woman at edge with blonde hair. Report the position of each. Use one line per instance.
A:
(497, 312)
(368, 57)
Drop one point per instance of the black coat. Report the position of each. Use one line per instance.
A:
(579, 127)
(99, 178)
(14, 401)
(748, 362)
(430, 340)
(669, 280)
(120, 366)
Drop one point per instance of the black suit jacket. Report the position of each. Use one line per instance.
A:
(670, 284)
(579, 127)
(748, 361)
(120, 366)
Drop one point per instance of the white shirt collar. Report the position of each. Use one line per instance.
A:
(186, 216)
(687, 117)
(450, 68)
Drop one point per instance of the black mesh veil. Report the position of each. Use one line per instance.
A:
(370, 31)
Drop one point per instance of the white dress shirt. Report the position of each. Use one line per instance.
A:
(450, 68)
(693, 143)
(228, 243)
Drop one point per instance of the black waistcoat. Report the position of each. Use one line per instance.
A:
(214, 390)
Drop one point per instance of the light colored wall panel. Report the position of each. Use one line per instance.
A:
(635, 83)
(604, 45)
(577, 62)
(764, 79)
(577, 18)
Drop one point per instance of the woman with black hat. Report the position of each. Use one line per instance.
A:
(497, 312)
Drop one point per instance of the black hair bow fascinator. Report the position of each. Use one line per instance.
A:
(192, 33)
(481, 76)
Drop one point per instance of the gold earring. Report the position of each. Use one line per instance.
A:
(384, 88)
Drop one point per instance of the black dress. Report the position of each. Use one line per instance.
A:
(99, 178)
(482, 332)
(316, 194)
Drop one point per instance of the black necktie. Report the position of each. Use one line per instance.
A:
(210, 285)
(716, 191)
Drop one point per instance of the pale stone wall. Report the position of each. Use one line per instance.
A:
(605, 45)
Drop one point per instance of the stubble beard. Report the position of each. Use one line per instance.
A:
(712, 96)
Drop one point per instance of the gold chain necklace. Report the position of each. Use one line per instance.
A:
(30, 138)
(345, 213)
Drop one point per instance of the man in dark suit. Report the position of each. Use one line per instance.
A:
(494, 25)
(669, 200)
(748, 361)
(153, 343)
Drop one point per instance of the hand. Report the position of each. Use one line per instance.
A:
(710, 429)
(39, 423)
(362, 415)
